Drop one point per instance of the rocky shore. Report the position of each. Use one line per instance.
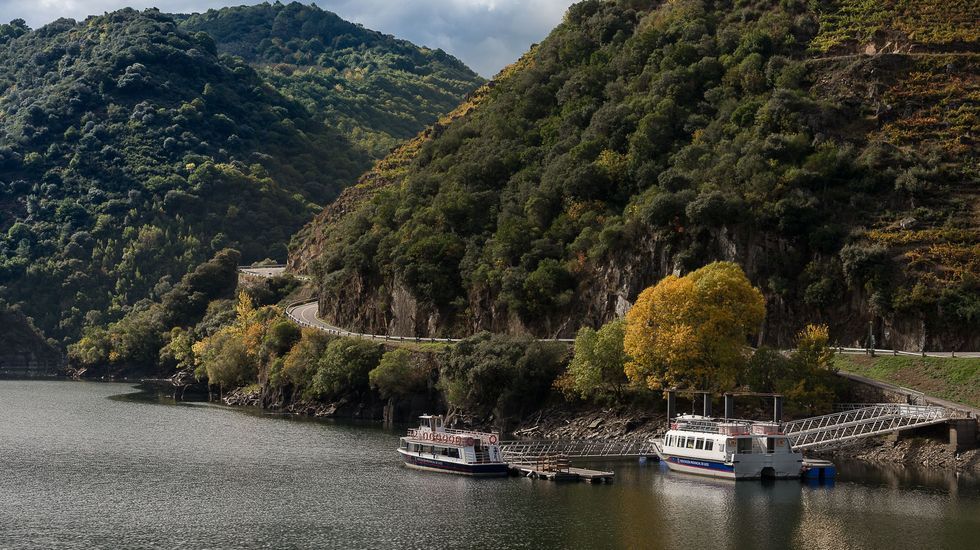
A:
(918, 452)
(635, 422)
(583, 422)
(251, 396)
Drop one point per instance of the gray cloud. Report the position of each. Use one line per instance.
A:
(486, 34)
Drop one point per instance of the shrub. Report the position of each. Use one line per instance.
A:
(344, 367)
(398, 376)
(498, 374)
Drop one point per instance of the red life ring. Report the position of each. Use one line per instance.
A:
(492, 439)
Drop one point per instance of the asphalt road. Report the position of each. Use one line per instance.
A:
(267, 272)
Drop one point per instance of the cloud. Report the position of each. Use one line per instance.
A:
(486, 34)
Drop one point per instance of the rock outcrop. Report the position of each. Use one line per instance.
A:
(23, 350)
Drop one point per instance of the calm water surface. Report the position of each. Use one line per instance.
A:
(86, 465)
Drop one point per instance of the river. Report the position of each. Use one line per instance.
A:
(93, 465)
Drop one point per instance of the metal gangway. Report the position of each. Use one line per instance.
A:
(860, 421)
(529, 452)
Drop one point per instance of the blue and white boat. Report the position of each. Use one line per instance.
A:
(434, 447)
(729, 449)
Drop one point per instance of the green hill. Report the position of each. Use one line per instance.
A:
(828, 147)
(378, 90)
(132, 149)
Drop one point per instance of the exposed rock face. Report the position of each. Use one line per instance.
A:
(383, 307)
(23, 351)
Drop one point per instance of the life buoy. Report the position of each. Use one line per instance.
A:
(492, 439)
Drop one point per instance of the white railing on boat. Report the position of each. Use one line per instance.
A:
(412, 432)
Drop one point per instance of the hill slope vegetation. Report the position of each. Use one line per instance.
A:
(376, 89)
(132, 148)
(646, 138)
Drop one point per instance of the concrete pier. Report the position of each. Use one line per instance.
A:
(962, 434)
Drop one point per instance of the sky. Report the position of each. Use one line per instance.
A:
(486, 34)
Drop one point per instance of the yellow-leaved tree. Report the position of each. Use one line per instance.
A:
(693, 331)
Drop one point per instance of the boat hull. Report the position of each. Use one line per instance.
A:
(701, 467)
(496, 469)
(742, 470)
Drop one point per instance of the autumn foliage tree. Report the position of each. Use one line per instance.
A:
(692, 331)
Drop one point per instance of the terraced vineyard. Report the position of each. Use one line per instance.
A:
(897, 25)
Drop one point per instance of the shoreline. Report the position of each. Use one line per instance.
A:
(564, 420)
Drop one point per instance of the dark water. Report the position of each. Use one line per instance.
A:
(80, 468)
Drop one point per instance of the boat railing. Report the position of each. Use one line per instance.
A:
(727, 427)
(480, 435)
(482, 457)
(489, 437)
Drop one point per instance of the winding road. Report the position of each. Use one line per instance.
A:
(305, 314)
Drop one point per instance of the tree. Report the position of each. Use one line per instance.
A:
(344, 367)
(692, 331)
(179, 352)
(225, 359)
(813, 348)
(299, 364)
(397, 376)
(806, 377)
(499, 374)
(597, 369)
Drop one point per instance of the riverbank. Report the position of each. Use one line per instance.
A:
(913, 452)
(640, 422)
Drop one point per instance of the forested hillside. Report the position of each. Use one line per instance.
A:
(132, 148)
(828, 147)
(378, 90)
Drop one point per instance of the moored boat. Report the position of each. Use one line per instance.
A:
(729, 449)
(436, 448)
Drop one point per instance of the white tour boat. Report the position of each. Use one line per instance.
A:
(434, 447)
(729, 449)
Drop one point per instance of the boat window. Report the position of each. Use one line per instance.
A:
(744, 444)
(452, 453)
(699, 444)
(670, 440)
(690, 443)
(709, 445)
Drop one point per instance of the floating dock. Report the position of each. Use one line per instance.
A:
(558, 469)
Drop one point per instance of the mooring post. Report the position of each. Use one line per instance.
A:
(777, 408)
(729, 406)
(706, 409)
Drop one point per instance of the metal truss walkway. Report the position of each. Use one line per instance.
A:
(860, 421)
(517, 452)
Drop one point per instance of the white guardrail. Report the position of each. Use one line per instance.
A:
(381, 337)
